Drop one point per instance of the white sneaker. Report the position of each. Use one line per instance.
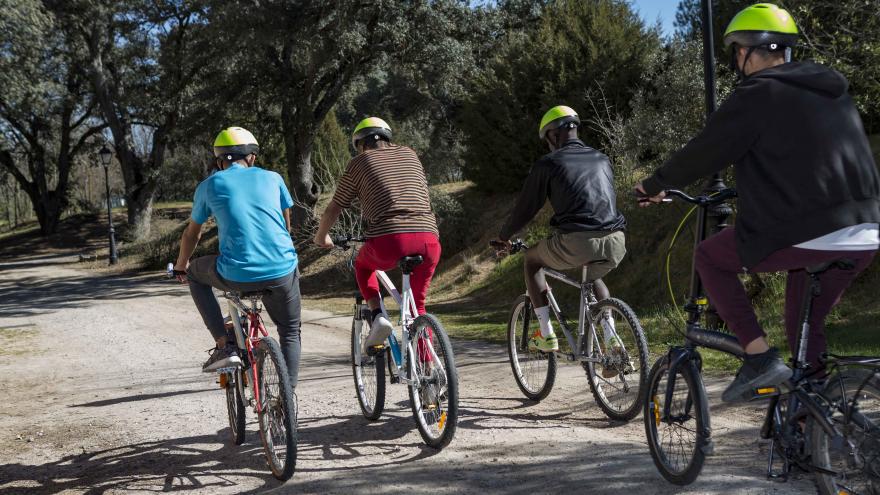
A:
(380, 329)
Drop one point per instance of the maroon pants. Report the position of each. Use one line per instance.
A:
(719, 264)
(383, 253)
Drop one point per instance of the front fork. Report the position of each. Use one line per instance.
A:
(688, 356)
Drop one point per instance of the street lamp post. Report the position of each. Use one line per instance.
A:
(107, 155)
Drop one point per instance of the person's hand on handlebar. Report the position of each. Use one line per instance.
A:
(645, 200)
(179, 272)
(323, 241)
(502, 248)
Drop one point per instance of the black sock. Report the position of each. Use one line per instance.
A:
(376, 312)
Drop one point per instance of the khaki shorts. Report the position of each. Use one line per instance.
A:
(575, 249)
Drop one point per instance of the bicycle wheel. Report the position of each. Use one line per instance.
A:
(277, 417)
(854, 462)
(433, 394)
(679, 442)
(618, 383)
(534, 371)
(235, 406)
(368, 371)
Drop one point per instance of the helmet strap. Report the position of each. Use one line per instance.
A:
(741, 71)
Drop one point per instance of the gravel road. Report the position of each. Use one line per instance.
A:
(104, 394)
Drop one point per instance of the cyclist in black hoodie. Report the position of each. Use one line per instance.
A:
(808, 188)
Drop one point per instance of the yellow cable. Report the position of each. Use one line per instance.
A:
(669, 254)
(669, 257)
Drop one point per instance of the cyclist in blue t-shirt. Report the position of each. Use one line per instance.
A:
(252, 209)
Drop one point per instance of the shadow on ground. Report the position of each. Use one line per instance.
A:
(28, 295)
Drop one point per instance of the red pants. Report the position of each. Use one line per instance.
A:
(383, 253)
(718, 265)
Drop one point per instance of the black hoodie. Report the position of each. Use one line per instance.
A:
(803, 164)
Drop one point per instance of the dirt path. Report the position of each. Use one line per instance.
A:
(104, 394)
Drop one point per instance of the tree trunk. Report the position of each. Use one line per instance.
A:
(299, 139)
(140, 209)
(48, 214)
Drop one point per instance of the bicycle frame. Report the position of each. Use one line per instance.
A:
(247, 340)
(586, 294)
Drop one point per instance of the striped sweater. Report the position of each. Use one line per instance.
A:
(392, 189)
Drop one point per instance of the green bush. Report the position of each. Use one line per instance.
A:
(453, 222)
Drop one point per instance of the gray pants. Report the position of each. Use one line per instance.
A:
(282, 302)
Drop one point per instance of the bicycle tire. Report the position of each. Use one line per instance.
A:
(436, 425)
(683, 473)
(278, 411)
(606, 389)
(534, 372)
(858, 470)
(235, 406)
(364, 380)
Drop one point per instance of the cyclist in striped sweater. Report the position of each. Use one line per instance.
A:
(389, 181)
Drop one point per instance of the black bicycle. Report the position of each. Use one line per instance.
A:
(829, 427)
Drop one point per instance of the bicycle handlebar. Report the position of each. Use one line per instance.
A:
(516, 245)
(170, 272)
(703, 200)
(341, 241)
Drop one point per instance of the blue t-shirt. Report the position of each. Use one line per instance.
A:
(247, 203)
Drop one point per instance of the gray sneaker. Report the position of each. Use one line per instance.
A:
(758, 370)
(380, 329)
(226, 357)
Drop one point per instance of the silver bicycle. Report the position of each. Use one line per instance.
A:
(608, 341)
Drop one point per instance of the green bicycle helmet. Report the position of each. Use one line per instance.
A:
(557, 117)
(762, 25)
(235, 143)
(371, 126)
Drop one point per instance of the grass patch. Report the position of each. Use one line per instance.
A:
(17, 340)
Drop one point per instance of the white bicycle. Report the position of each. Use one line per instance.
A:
(420, 358)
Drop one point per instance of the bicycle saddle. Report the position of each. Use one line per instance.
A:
(408, 263)
(842, 264)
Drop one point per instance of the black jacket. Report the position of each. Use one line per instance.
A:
(579, 182)
(803, 164)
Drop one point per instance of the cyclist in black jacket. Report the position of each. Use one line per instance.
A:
(580, 185)
(807, 182)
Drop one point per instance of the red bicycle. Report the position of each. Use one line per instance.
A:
(261, 381)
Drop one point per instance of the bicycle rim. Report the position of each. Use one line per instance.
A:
(278, 414)
(675, 442)
(618, 383)
(369, 373)
(434, 393)
(855, 461)
(534, 371)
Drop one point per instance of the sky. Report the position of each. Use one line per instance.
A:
(651, 10)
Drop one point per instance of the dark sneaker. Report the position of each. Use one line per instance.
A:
(757, 371)
(226, 357)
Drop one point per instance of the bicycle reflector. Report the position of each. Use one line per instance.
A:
(767, 390)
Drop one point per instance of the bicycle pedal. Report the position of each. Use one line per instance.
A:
(764, 393)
